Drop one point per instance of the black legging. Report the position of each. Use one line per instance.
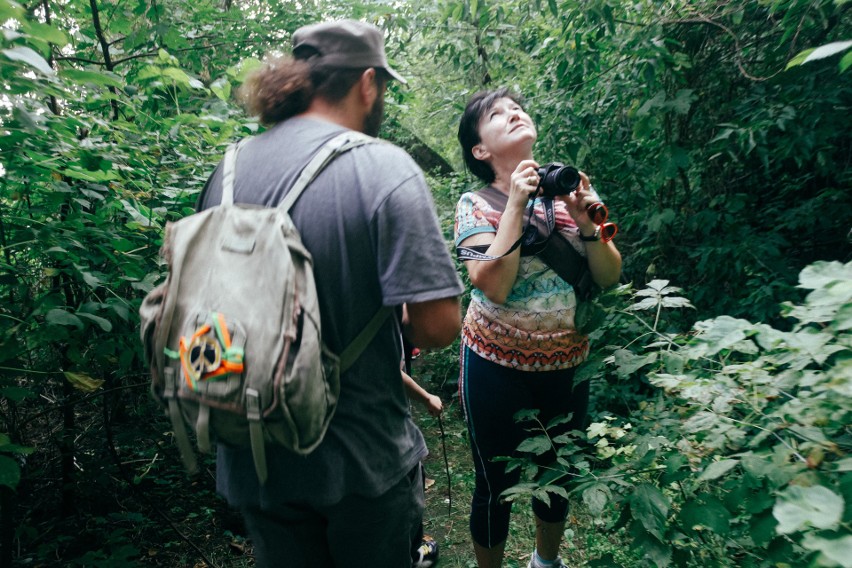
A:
(491, 395)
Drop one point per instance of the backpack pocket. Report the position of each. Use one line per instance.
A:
(211, 359)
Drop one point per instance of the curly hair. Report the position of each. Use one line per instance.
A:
(285, 86)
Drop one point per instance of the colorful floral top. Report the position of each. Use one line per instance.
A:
(534, 329)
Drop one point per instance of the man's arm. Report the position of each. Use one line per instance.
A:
(435, 323)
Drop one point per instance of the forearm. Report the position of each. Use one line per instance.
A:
(604, 263)
(496, 277)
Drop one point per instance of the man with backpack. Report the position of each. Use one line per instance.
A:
(368, 222)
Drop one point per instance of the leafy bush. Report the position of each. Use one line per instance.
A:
(739, 453)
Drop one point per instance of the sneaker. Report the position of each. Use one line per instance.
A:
(415, 353)
(426, 555)
(556, 564)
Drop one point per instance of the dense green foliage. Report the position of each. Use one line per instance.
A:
(717, 132)
(742, 457)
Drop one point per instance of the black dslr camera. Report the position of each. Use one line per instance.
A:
(557, 179)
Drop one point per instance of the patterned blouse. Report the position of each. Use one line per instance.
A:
(534, 329)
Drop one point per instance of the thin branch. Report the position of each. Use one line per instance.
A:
(121, 60)
(77, 59)
(737, 46)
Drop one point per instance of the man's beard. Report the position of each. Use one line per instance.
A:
(373, 120)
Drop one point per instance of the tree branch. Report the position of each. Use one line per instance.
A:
(737, 46)
(99, 32)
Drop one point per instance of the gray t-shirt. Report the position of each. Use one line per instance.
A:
(369, 222)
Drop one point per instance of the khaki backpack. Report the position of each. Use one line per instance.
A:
(233, 335)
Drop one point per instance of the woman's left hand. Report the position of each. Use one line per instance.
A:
(577, 203)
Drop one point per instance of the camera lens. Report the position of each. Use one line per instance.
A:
(557, 179)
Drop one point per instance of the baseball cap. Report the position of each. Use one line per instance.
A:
(347, 44)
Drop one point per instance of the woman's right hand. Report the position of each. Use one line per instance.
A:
(523, 184)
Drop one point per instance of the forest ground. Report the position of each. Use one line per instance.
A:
(148, 512)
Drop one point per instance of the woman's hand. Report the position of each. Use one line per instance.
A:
(577, 202)
(604, 259)
(523, 184)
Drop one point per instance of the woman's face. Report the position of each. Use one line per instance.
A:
(505, 129)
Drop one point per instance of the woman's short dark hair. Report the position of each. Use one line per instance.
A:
(477, 106)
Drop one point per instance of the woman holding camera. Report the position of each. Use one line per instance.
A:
(519, 344)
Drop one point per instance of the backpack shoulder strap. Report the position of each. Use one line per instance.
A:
(230, 168)
(495, 198)
(363, 339)
(341, 143)
(329, 151)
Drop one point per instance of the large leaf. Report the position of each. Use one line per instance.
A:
(536, 445)
(800, 507)
(62, 317)
(833, 551)
(651, 508)
(596, 497)
(827, 50)
(46, 33)
(717, 469)
(30, 57)
(708, 512)
(102, 78)
(83, 382)
(10, 472)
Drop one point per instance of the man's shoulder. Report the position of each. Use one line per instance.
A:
(381, 149)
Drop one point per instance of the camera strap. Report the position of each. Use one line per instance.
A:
(554, 250)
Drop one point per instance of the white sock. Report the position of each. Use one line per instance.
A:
(540, 562)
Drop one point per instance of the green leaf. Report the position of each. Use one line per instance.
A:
(821, 274)
(682, 101)
(58, 316)
(9, 10)
(16, 394)
(845, 62)
(800, 507)
(721, 333)
(102, 78)
(30, 57)
(628, 362)
(104, 324)
(676, 302)
(245, 67)
(10, 472)
(651, 508)
(177, 75)
(221, 87)
(46, 33)
(708, 512)
(83, 382)
(596, 497)
(659, 553)
(551, 4)
(837, 551)
(798, 59)
(537, 445)
(717, 469)
(588, 317)
(827, 50)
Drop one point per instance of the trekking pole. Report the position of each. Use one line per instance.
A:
(446, 467)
